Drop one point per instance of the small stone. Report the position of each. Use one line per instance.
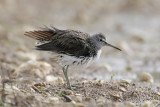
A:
(122, 89)
(41, 84)
(149, 104)
(37, 73)
(30, 97)
(77, 98)
(79, 105)
(146, 77)
(67, 92)
(101, 100)
(138, 38)
(53, 79)
(89, 100)
(158, 93)
(116, 96)
(125, 81)
(54, 100)
(84, 82)
(128, 68)
(155, 102)
(15, 88)
(60, 80)
(129, 104)
(99, 82)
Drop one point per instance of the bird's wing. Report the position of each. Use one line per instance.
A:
(42, 35)
(63, 41)
(47, 34)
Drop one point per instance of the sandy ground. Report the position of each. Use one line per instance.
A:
(119, 79)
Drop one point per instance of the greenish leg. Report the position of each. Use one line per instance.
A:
(65, 69)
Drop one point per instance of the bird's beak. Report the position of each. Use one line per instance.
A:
(107, 44)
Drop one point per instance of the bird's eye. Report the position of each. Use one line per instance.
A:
(100, 40)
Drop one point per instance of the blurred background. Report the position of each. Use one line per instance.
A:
(132, 25)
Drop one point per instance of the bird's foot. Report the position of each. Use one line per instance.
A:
(71, 87)
(74, 87)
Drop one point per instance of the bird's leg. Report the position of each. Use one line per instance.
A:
(65, 69)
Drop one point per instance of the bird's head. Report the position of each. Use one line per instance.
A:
(101, 40)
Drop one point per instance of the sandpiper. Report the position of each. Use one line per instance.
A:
(70, 47)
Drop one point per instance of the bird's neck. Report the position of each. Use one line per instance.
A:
(94, 47)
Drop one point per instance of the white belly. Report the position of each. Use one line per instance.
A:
(72, 61)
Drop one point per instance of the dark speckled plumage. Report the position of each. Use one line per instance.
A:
(71, 42)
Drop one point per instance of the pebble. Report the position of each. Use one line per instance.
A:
(101, 100)
(85, 81)
(155, 102)
(89, 100)
(99, 82)
(116, 96)
(77, 98)
(128, 67)
(54, 100)
(79, 105)
(146, 77)
(138, 38)
(67, 92)
(52, 79)
(37, 73)
(15, 88)
(129, 104)
(149, 104)
(158, 93)
(30, 97)
(125, 81)
(122, 89)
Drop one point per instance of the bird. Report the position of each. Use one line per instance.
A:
(70, 47)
